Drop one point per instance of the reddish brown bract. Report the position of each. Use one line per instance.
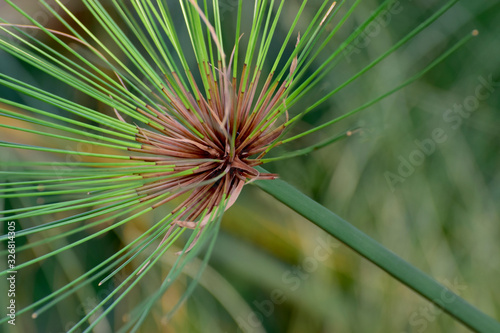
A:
(213, 143)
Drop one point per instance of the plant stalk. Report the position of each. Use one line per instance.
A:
(375, 252)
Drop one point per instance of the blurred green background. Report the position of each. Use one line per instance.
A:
(421, 177)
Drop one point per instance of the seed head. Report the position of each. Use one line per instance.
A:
(212, 142)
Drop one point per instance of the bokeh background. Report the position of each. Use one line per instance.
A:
(421, 177)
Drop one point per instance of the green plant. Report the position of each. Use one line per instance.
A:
(201, 120)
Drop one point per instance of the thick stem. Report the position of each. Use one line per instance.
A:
(403, 271)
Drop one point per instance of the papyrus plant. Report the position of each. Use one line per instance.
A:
(187, 123)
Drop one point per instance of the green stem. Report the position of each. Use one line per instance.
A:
(403, 271)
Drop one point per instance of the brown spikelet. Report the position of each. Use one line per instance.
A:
(213, 143)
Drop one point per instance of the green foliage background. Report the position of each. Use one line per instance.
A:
(442, 217)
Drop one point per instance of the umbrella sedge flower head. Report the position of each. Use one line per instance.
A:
(213, 143)
(170, 136)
